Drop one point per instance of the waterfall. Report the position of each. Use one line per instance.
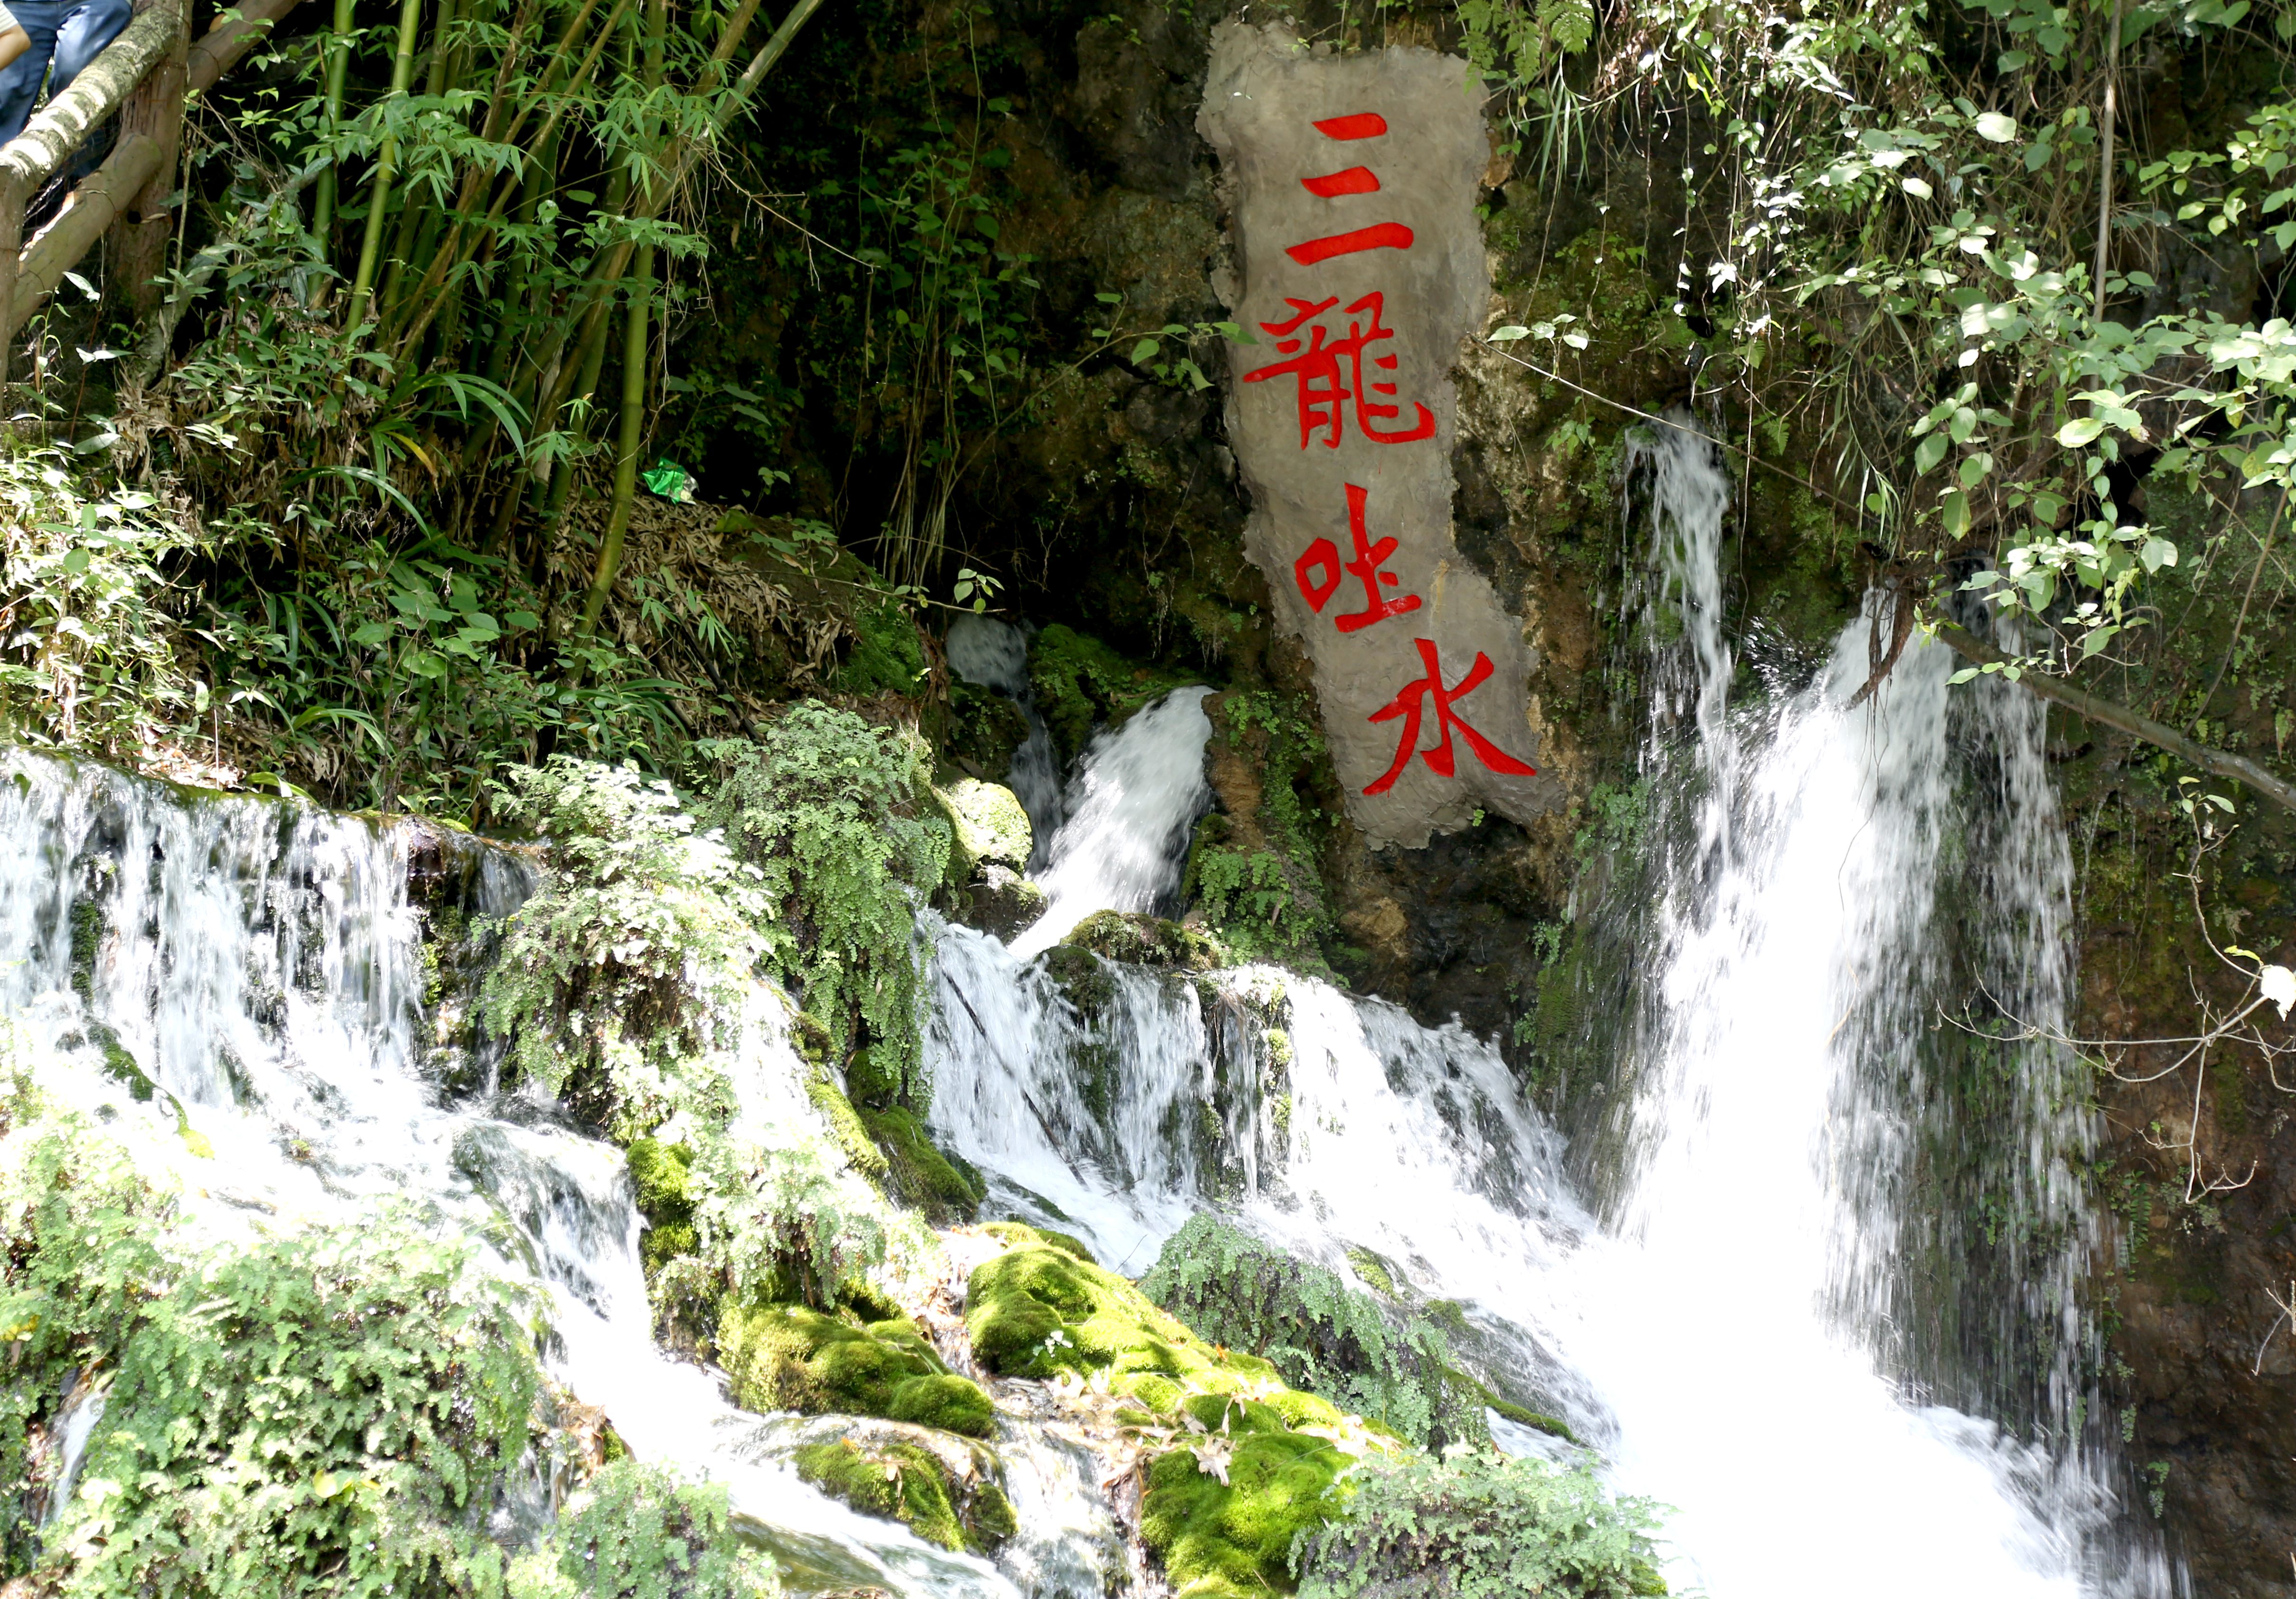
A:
(1785, 1329)
(1139, 791)
(255, 971)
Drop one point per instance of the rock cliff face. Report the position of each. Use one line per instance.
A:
(1116, 507)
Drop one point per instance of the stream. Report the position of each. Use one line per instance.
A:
(1725, 1324)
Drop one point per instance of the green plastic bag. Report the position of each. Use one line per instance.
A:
(670, 480)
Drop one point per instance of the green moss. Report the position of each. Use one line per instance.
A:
(886, 656)
(120, 1065)
(870, 1079)
(1226, 1540)
(788, 1357)
(845, 1124)
(917, 1173)
(1081, 682)
(1086, 982)
(1020, 1234)
(1145, 940)
(663, 1175)
(1037, 1310)
(86, 939)
(911, 1485)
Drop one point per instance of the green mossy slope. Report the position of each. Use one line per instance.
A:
(788, 1357)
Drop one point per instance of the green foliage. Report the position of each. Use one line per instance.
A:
(832, 817)
(914, 1485)
(1320, 1334)
(638, 1532)
(1254, 878)
(633, 960)
(788, 1357)
(629, 982)
(1079, 683)
(317, 1412)
(1478, 1525)
(87, 651)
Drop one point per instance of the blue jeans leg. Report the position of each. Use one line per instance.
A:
(86, 29)
(21, 79)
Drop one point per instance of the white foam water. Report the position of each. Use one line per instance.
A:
(261, 962)
(1727, 1338)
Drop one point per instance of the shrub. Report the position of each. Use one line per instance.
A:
(1478, 1525)
(833, 817)
(639, 1532)
(634, 958)
(1322, 1335)
(322, 1411)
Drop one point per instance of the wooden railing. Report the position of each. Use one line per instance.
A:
(143, 75)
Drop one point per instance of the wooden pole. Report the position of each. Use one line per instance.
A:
(155, 109)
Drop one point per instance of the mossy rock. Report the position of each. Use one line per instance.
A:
(662, 1173)
(1145, 940)
(920, 1174)
(846, 1125)
(1081, 683)
(886, 656)
(789, 1358)
(913, 1485)
(991, 829)
(1037, 1310)
(1020, 1234)
(1087, 985)
(984, 728)
(1233, 1539)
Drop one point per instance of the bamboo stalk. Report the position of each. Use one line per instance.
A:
(402, 73)
(338, 63)
(634, 361)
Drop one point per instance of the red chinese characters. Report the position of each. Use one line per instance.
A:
(1411, 706)
(1330, 373)
(1327, 365)
(1323, 558)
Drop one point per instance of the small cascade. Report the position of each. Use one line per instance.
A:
(1122, 848)
(1781, 1332)
(995, 655)
(254, 972)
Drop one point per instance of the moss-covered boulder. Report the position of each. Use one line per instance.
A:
(789, 1358)
(990, 828)
(955, 1504)
(1146, 940)
(1257, 1463)
(1222, 1512)
(918, 1173)
(1020, 1235)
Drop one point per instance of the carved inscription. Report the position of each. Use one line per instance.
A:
(1351, 182)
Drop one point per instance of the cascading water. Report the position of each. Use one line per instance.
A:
(255, 969)
(1757, 1338)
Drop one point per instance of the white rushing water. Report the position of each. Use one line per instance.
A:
(261, 964)
(1736, 1336)
(1730, 1341)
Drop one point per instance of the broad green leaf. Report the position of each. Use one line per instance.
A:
(2080, 431)
(1994, 125)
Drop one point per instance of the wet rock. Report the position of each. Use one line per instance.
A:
(999, 900)
(1143, 940)
(991, 828)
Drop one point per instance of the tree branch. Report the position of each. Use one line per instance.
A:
(2220, 763)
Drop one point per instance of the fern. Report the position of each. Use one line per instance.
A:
(1320, 1334)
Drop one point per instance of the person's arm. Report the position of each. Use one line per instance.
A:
(13, 40)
